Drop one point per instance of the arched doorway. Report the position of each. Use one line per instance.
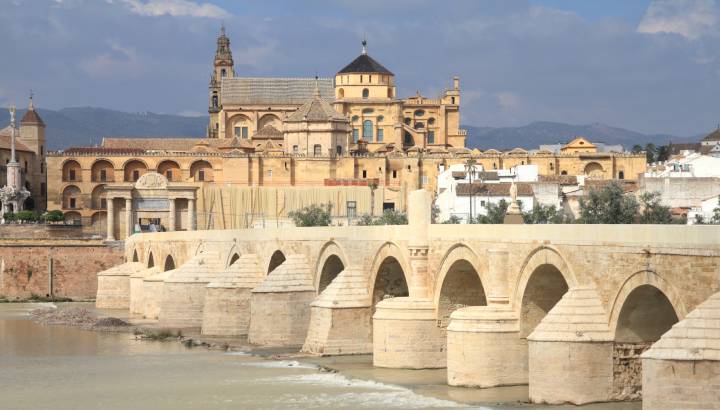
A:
(461, 287)
(102, 171)
(169, 263)
(330, 270)
(276, 260)
(544, 289)
(645, 316)
(594, 170)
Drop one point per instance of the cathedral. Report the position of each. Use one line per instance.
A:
(357, 110)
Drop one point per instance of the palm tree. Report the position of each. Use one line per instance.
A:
(470, 170)
(373, 186)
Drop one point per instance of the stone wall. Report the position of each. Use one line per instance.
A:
(61, 267)
(627, 370)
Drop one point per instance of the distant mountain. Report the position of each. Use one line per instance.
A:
(542, 132)
(86, 126)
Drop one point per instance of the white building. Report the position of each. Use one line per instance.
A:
(692, 165)
(460, 190)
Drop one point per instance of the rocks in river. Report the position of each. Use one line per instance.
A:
(79, 317)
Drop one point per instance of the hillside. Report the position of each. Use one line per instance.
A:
(85, 126)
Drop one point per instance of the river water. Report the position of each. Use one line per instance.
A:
(57, 367)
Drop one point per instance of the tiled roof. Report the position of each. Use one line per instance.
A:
(102, 150)
(484, 175)
(156, 144)
(257, 90)
(364, 64)
(31, 117)
(316, 109)
(236, 143)
(713, 136)
(5, 144)
(497, 189)
(268, 131)
(560, 179)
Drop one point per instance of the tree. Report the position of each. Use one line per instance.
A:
(543, 214)
(389, 217)
(55, 215)
(715, 219)
(470, 170)
(373, 186)
(453, 220)
(312, 215)
(653, 212)
(650, 153)
(637, 148)
(662, 153)
(608, 205)
(495, 213)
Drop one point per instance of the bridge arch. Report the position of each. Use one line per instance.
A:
(150, 260)
(135, 257)
(276, 259)
(544, 278)
(459, 282)
(330, 263)
(389, 273)
(639, 290)
(169, 263)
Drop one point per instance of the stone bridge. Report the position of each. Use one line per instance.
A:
(568, 309)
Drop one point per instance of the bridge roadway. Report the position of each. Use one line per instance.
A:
(570, 309)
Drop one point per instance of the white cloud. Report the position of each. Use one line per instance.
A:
(176, 8)
(691, 19)
(508, 100)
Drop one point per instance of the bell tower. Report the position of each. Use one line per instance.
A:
(222, 68)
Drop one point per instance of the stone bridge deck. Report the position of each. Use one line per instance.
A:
(495, 304)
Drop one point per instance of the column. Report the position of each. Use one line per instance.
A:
(110, 219)
(419, 221)
(171, 217)
(191, 214)
(128, 217)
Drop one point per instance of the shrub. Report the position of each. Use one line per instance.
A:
(389, 217)
(26, 216)
(55, 215)
(312, 215)
(9, 216)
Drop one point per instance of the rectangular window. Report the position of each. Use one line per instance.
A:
(394, 173)
(103, 175)
(431, 137)
(71, 175)
(168, 174)
(317, 150)
(238, 130)
(201, 175)
(424, 180)
(72, 203)
(103, 203)
(245, 132)
(364, 173)
(270, 173)
(356, 134)
(43, 189)
(380, 135)
(295, 149)
(135, 175)
(352, 209)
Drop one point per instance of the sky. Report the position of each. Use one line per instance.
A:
(648, 65)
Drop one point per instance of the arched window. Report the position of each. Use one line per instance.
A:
(215, 100)
(419, 125)
(563, 173)
(365, 93)
(380, 118)
(341, 93)
(367, 130)
(223, 73)
(408, 138)
(552, 166)
(431, 121)
(355, 118)
(408, 120)
(621, 175)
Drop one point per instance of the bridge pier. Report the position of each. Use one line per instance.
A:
(114, 286)
(137, 287)
(341, 317)
(280, 305)
(227, 298)
(484, 348)
(183, 294)
(406, 335)
(152, 294)
(682, 369)
(571, 352)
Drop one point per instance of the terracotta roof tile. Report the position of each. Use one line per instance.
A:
(19, 146)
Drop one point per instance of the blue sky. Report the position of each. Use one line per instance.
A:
(647, 65)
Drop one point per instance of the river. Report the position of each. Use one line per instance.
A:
(57, 367)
